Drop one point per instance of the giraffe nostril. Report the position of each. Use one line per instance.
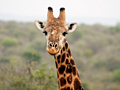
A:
(55, 45)
(50, 45)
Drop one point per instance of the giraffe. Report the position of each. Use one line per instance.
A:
(55, 30)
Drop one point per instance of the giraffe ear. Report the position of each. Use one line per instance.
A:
(72, 27)
(40, 25)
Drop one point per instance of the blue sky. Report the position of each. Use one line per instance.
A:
(86, 11)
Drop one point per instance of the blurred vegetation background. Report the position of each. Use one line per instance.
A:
(26, 65)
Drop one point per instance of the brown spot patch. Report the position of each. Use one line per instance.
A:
(77, 84)
(56, 65)
(57, 74)
(63, 49)
(72, 62)
(58, 60)
(74, 71)
(69, 79)
(69, 52)
(58, 57)
(63, 89)
(66, 45)
(68, 88)
(62, 81)
(69, 68)
(67, 62)
(63, 58)
(61, 69)
(67, 55)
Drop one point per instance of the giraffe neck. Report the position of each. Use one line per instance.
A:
(68, 78)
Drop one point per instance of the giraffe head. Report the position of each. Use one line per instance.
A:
(55, 30)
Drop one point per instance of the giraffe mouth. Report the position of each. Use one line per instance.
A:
(52, 51)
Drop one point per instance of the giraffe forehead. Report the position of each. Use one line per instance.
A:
(56, 25)
(55, 28)
(55, 32)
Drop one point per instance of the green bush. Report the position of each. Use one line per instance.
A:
(88, 53)
(85, 85)
(20, 34)
(18, 83)
(9, 42)
(109, 63)
(4, 59)
(99, 64)
(31, 56)
(116, 76)
(72, 37)
(39, 79)
(38, 45)
(47, 80)
(117, 28)
(112, 64)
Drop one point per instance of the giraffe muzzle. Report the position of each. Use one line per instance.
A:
(52, 48)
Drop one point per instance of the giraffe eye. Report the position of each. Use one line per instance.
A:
(45, 33)
(64, 33)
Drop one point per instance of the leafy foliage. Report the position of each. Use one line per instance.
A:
(7, 42)
(110, 64)
(117, 28)
(116, 76)
(4, 59)
(38, 79)
(85, 85)
(31, 55)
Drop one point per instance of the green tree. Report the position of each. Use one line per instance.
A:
(4, 59)
(32, 56)
(9, 42)
(116, 76)
(85, 85)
